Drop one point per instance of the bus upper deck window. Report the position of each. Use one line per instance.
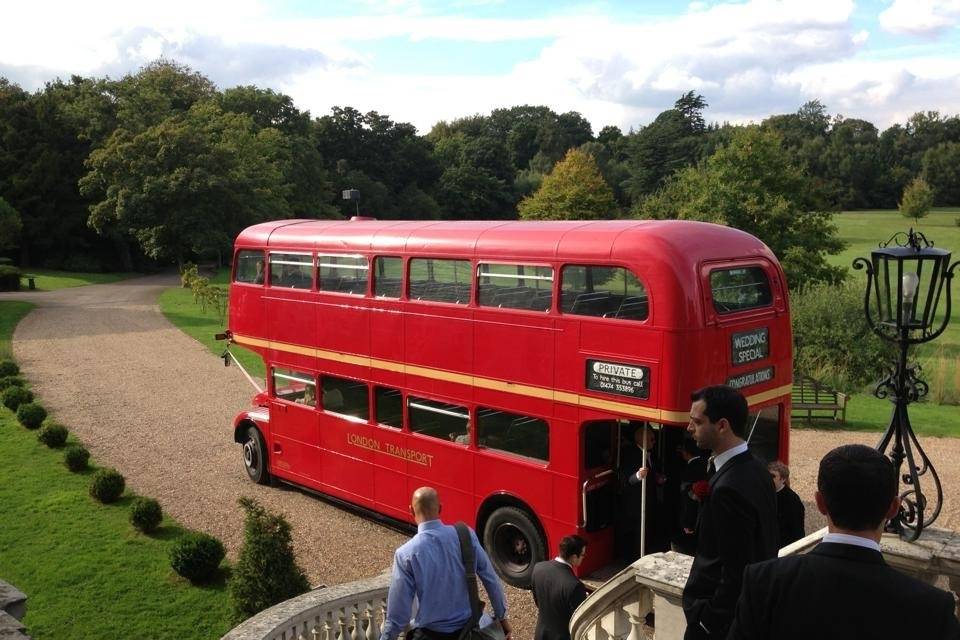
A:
(606, 292)
(515, 286)
(387, 276)
(440, 280)
(291, 270)
(342, 274)
(250, 267)
(739, 289)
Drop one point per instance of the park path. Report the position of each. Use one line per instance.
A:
(147, 399)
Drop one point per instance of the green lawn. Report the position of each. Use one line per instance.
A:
(178, 306)
(50, 279)
(864, 230)
(86, 571)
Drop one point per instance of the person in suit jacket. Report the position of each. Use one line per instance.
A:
(632, 471)
(738, 520)
(843, 588)
(694, 470)
(557, 592)
(790, 509)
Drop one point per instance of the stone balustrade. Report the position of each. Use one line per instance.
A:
(654, 583)
(351, 611)
(13, 606)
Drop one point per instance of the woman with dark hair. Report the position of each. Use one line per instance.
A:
(790, 510)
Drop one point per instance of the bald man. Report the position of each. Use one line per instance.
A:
(429, 567)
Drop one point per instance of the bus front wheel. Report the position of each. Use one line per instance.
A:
(514, 543)
(255, 456)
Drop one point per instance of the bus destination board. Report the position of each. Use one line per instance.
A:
(749, 379)
(620, 379)
(749, 346)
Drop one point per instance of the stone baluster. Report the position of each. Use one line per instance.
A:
(356, 633)
(636, 618)
(342, 624)
(373, 631)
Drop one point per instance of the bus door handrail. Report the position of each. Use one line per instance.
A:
(583, 493)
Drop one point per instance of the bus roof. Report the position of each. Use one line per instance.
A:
(683, 242)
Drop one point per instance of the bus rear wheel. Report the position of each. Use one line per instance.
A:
(255, 456)
(514, 543)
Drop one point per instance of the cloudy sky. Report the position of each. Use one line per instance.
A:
(420, 61)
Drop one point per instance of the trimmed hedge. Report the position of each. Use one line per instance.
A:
(53, 434)
(13, 397)
(146, 514)
(11, 381)
(107, 485)
(9, 278)
(8, 367)
(30, 414)
(76, 457)
(197, 556)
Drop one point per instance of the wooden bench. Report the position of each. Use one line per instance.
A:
(812, 400)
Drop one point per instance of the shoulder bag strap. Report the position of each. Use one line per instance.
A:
(469, 563)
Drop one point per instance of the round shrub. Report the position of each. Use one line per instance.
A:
(8, 367)
(196, 556)
(146, 514)
(13, 397)
(11, 381)
(54, 435)
(30, 414)
(76, 457)
(107, 485)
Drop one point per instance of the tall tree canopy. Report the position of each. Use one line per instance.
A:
(189, 183)
(753, 184)
(574, 190)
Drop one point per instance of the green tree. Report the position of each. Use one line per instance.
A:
(831, 341)
(574, 190)
(755, 185)
(941, 170)
(266, 571)
(917, 199)
(10, 226)
(674, 140)
(196, 172)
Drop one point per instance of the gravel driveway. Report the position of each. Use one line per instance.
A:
(149, 400)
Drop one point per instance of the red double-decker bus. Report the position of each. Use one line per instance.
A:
(499, 362)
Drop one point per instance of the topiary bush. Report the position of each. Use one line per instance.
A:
(76, 457)
(53, 434)
(8, 367)
(266, 572)
(30, 414)
(11, 381)
(107, 485)
(146, 514)
(197, 556)
(13, 397)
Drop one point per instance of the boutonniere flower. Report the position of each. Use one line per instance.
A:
(701, 489)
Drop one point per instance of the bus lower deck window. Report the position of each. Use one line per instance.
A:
(513, 433)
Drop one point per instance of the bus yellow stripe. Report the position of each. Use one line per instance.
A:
(661, 415)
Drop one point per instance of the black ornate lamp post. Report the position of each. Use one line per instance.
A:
(907, 302)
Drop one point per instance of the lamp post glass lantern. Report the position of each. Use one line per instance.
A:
(907, 302)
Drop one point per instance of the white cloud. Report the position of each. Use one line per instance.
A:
(749, 59)
(921, 17)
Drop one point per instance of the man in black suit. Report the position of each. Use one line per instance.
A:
(694, 471)
(843, 588)
(738, 520)
(634, 467)
(557, 592)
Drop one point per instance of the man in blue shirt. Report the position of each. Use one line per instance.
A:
(429, 567)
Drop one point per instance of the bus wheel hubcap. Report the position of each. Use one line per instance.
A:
(513, 547)
(249, 456)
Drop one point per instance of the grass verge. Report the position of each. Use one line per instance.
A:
(87, 572)
(178, 306)
(51, 279)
